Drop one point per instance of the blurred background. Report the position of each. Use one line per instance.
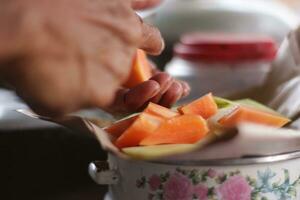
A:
(220, 45)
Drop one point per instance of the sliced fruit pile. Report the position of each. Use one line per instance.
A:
(159, 131)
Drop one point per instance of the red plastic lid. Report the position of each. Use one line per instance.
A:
(226, 47)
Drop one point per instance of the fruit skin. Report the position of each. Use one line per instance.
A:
(247, 114)
(160, 111)
(118, 128)
(141, 70)
(204, 106)
(141, 128)
(184, 129)
(157, 151)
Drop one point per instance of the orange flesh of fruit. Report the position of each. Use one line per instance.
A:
(141, 128)
(160, 111)
(204, 106)
(244, 114)
(140, 71)
(183, 129)
(119, 127)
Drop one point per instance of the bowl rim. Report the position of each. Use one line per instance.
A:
(247, 160)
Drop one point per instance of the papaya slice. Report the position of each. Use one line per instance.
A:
(247, 114)
(140, 71)
(183, 129)
(120, 126)
(160, 111)
(204, 106)
(142, 127)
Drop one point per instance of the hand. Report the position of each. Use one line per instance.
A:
(298, 35)
(64, 55)
(144, 4)
(161, 89)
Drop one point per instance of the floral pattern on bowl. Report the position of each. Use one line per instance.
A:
(211, 184)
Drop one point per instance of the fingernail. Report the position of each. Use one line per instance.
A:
(186, 89)
(167, 85)
(156, 90)
(163, 79)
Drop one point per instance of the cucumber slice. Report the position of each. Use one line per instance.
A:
(225, 103)
(157, 151)
(254, 104)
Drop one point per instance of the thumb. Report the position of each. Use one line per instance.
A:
(152, 41)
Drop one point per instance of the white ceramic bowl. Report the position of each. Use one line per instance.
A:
(273, 178)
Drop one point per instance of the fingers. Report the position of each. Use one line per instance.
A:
(139, 95)
(135, 98)
(132, 100)
(172, 95)
(161, 89)
(185, 89)
(152, 41)
(144, 4)
(165, 81)
(178, 89)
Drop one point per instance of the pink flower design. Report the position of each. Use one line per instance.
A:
(201, 192)
(139, 183)
(235, 188)
(211, 173)
(154, 182)
(150, 196)
(221, 175)
(178, 187)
